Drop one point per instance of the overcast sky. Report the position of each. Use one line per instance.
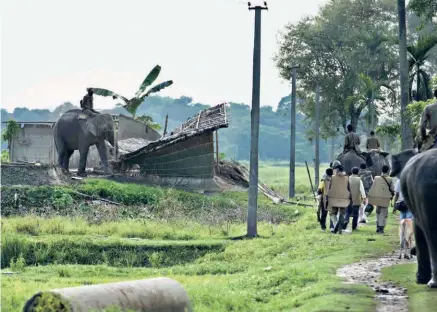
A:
(52, 50)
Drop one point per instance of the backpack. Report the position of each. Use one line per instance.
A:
(367, 180)
(401, 206)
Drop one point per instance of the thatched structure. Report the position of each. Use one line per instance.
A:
(206, 121)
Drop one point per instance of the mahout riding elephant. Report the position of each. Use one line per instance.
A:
(418, 174)
(71, 133)
(374, 161)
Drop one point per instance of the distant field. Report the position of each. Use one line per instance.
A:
(276, 176)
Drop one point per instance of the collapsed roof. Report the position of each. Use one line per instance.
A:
(207, 120)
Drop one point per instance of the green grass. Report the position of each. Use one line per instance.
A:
(293, 270)
(420, 297)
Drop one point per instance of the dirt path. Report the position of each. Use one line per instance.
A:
(389, 297)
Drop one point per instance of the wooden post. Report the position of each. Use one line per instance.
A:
(165, 126)
(217, 150)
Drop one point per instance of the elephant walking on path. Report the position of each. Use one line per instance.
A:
(418, 176)
(76, 131)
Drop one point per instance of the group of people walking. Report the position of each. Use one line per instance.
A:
(344, 196)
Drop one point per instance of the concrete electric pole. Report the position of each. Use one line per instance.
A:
(291, 186)
(317, 148)
(256, 82)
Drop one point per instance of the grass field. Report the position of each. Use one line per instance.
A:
(421, 298)
(291, 267)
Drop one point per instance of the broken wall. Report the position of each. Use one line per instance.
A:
(193, 158)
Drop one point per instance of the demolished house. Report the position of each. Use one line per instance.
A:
(184, 157)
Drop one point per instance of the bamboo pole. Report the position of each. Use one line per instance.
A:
(165, 126)
(217, 150)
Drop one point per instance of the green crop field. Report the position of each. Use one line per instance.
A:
(61, 241)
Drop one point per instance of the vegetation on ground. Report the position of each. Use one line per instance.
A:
(420, 297)
(291, 266)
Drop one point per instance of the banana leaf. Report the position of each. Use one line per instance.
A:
(133, 105)
(158, 88)
(151, 77)
(105, 92)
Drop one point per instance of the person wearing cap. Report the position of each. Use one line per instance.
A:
(339, 197)
(322, 192)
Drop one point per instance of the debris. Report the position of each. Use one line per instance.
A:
(96, 198)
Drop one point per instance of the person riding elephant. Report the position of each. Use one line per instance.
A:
(87, 103)
(418, 176)
(372, 142)
(73, 133)
(428, 127)
(351, 141)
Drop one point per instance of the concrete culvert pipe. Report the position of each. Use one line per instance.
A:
(156, 294)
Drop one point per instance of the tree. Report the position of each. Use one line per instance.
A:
(418, 55)
(11, 130)
(425, 8)
(403, 75)
(132, 105)
(149, 121)
(344, 40)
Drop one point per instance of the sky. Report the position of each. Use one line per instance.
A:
(52, 50)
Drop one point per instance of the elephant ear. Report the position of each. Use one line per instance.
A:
(91, 126)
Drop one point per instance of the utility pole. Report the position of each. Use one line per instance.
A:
(254, 116)
(317, 148)
(291, 186)
(403, 76)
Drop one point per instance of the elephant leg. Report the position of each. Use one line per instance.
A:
(101, 148)
(82, 160)
(61, 149)
(67, 157)
(423, 274)
(431, 236)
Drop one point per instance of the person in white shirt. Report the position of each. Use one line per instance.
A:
(358, 194)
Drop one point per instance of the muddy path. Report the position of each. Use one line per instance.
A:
(389, 297)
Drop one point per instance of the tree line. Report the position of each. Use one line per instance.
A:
(350, 49)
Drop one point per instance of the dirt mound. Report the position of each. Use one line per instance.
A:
(29, 174)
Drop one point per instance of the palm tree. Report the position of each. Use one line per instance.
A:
(132, 105)
(418, 55)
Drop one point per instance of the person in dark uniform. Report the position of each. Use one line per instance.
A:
(87, 103)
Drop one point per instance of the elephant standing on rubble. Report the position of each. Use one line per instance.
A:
(77, 131)
(419, 187)
(374, 161)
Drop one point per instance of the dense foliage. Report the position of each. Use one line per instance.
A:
(350, 50)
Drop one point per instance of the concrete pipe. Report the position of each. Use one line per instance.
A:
(156, 294)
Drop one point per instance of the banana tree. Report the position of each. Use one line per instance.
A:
(131, 105)
(418, 54)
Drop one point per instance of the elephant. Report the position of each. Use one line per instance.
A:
(418, 176)
(71, 133)
(374, 161)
